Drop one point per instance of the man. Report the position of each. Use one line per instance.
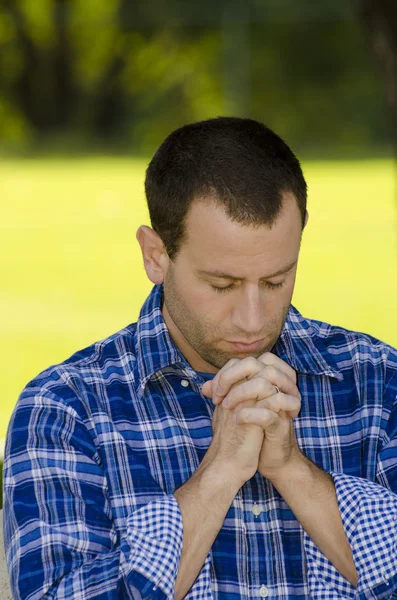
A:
(223, 446)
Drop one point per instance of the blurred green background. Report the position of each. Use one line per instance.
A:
(89, 88)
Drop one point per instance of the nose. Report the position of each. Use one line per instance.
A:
(249, 311)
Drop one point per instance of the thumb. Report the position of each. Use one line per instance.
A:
(207, 388)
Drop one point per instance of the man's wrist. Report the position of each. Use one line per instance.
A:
(298, 469)
(221, 474)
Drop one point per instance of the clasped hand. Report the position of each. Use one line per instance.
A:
(262, 393)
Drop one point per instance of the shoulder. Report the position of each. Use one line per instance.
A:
(340, 340)
(75, 381)
(349, 349)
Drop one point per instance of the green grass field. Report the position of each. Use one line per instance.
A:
(72, 273)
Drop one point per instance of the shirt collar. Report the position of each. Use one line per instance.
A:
(299, 345)
(154, 346)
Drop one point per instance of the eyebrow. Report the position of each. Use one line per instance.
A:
(221, 275)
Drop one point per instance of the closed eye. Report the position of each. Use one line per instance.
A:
(228, 288)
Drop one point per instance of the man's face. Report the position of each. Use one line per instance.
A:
(227, 293)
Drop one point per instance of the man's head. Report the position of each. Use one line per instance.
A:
(227, 201)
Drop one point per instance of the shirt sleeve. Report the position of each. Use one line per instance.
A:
(61, 536)
(369, 513)
(154, 543)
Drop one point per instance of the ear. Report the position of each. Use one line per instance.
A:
(155, 257)
(306, 219)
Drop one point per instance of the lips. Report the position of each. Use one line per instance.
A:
(252, 347)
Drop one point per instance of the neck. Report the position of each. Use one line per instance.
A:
(194, 359)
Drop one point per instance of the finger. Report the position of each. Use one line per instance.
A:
(253, 415)
(263, 385)
(264, 394)
(254, 389)
(209, 386)
(233, 373)
(291, 405)
(206, 388)
(281, 380)
(274, 361)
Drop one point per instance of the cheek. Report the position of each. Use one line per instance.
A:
(194, 297)
(214, 308)
(284, 299)
(288, 288)
(276, 303)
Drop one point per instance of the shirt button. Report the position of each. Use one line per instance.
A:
(263, 592)
(184, 382)
(256, 510)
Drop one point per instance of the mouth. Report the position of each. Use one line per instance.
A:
(252, 347)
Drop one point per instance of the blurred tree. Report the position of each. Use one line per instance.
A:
(380, 19)
(42, 86)
(125, 72)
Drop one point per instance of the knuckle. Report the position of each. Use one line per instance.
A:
(250, 362)
(292, 375)
(239, 416)
(242, 415)
(266, 357)
(231, 362)
(271, 417)
(275, 403)
(221, 379)
(261, 387)
(230, 401)
(270, 371)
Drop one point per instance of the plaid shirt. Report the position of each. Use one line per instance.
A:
(98, 444)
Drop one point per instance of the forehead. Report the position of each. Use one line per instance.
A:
(214, 241)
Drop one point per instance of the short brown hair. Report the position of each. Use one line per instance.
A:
(241, 163)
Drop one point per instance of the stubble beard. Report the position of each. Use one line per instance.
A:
(194, 332)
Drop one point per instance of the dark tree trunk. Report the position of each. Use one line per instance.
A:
(110, 102)
(380, 19)
(44, 90)
(110, 98)
(23, 90)
(64, 91)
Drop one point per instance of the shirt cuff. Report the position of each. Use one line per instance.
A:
(152, 547)
(368, 512)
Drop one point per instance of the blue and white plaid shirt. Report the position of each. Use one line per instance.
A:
(98, 444)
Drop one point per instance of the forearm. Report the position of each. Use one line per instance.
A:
(310, 494)
(204, 501)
